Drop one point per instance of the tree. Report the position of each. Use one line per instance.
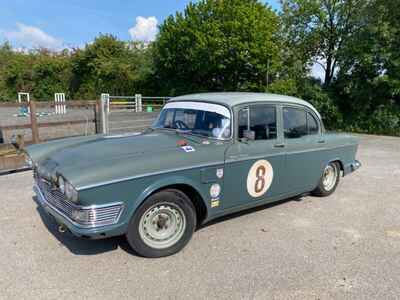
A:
(368, 82)
(109, 65)
(217, 45)
(17, 72)
(51, 74)
(317, 30)
(39, 71)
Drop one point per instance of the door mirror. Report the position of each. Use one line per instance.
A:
(249, 135)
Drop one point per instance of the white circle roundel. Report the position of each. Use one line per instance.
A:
(259, 178)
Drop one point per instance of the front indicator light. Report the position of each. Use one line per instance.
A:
(80, 216)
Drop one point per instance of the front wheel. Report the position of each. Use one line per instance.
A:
(329, 180)
(162, 225)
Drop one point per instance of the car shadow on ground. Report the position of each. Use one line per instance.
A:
(80, 246)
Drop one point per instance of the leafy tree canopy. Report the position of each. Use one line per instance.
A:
(218, 45)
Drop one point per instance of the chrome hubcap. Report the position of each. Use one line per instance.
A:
(162, 225)
(329, 177)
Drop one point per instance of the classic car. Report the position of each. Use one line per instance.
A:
(205, 156)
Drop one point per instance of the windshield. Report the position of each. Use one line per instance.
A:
(205, 119)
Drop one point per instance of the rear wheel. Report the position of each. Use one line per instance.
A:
(329, 180)
(162, 225)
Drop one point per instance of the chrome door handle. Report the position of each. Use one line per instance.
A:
(279, 145)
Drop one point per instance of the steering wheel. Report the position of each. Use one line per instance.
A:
(180, 124)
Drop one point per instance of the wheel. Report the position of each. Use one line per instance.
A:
(329, 180)
(162, 225)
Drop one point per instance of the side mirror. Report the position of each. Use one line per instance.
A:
(249, 135)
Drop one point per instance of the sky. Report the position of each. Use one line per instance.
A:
(58, 24)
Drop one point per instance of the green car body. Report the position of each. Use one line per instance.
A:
(112, 176)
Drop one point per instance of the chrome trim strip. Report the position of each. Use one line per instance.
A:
(239, 159)
(43, 201)
(85, 187)
(89, 186)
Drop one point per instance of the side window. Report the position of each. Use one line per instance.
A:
(312, 124)
(243, 121)
(260, 119)
(294, 123)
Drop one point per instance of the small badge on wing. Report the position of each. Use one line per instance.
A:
(188, 148)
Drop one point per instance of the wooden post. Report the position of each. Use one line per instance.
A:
(34, 126)
(97, 116)
(100, 116)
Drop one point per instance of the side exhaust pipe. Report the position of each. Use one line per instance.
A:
(62, 229)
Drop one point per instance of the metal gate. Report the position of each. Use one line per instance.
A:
(123, 114)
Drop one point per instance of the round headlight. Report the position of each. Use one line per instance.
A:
(61, 184)
(70, 192)
(28, 161)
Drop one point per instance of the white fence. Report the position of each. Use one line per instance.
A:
(59, 104)
(122, 114)
(60, 107)
(28, 99)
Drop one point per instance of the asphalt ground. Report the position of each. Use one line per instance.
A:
(346, 246)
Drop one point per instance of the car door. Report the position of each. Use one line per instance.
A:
(303, 144)
(254, 162)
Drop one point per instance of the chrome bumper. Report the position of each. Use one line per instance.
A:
(351, 167)
(355, 165)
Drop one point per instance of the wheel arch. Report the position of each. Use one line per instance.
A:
(339, 161)
(186, 186)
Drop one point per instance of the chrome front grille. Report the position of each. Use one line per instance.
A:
(96, 215)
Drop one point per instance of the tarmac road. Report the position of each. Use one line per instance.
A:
(346, 246)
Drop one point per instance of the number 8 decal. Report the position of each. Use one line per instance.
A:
(259, 178)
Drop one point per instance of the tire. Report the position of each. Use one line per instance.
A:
(162, 225)
(329, 181)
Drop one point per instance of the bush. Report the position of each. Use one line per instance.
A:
(385, 119)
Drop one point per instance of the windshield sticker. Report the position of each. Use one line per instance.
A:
(188, 149)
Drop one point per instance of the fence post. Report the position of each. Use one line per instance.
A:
(34, 126)
(138, 103)
(104, 112)
(97, 117)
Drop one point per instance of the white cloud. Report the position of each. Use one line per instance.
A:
(145, 29)
(30, 36)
